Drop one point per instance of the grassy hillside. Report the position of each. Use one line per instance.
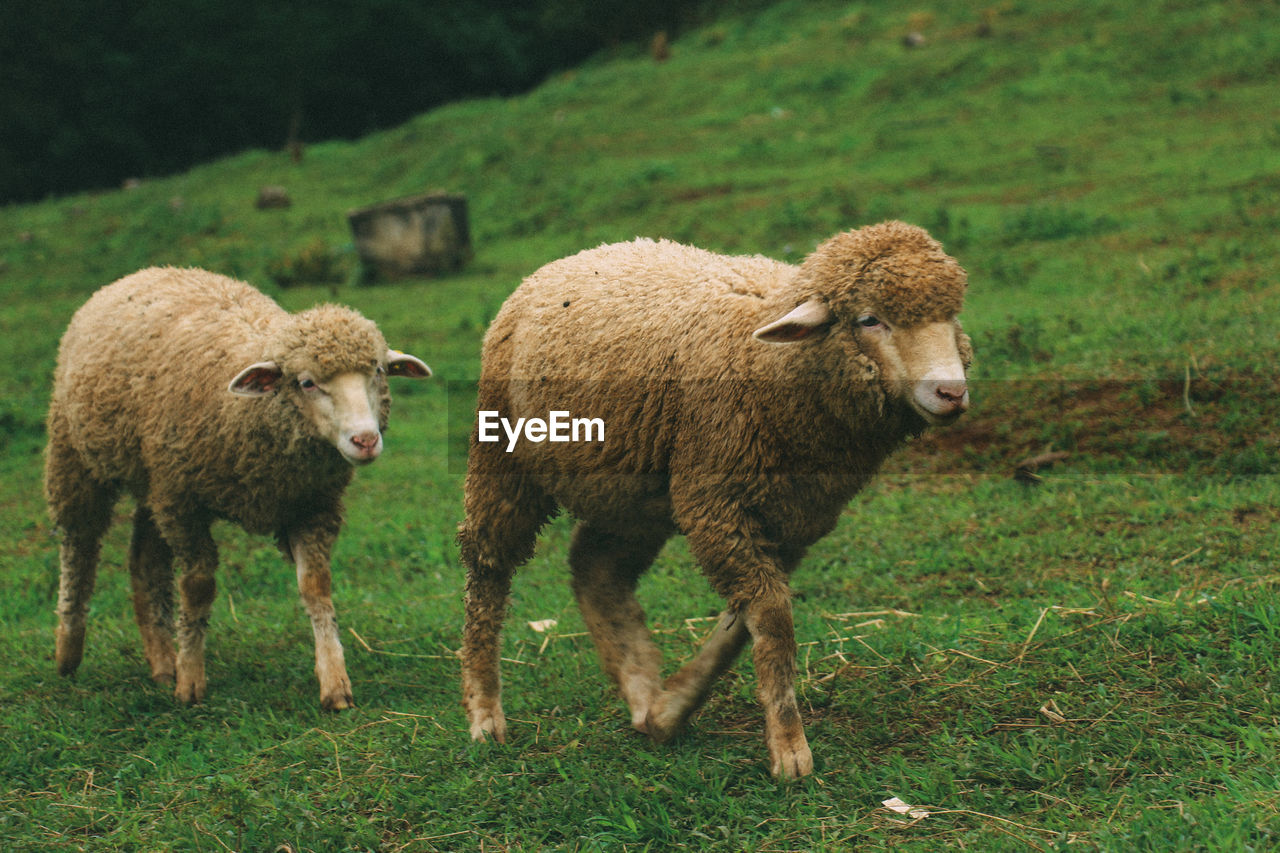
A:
(1085, 662)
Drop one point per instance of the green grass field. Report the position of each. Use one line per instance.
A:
(1082, 662)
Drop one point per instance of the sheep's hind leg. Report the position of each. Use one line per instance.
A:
(486, 606)
(198, 555)
(79, 559)
(497, 536)
(606, 568)
(311, 555)
(81, 509)
(151, 576)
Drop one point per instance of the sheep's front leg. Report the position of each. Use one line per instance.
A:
(768, 619)
(311, 556)
(754, 581)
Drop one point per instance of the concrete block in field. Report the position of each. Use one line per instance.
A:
(421, 235)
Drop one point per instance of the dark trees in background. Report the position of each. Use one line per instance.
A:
(94, 92)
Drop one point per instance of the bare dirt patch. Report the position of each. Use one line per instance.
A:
(1222, 424)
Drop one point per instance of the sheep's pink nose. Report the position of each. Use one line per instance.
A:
(954, 394)
(366, 442)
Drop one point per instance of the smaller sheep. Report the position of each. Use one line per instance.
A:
(744, 402)
(205, 400)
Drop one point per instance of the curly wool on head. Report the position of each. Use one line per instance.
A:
(893, 265)
(326, 340)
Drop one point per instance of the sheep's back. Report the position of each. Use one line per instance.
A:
(622, 333)
(638, 309)
(146, 361)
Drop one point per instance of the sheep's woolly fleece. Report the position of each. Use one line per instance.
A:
(694, 309)
(748, 446)
(899, 267)
(326, 340)
(140, 391)
(205, 399)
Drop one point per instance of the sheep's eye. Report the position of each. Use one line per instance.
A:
(381, 370)
(868, 321)
(307, 384)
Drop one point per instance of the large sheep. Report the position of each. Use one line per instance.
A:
(744, 402)
(204, 399)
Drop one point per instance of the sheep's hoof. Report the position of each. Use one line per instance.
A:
(164, 668)
(68, 667)
(793, 763)
(640, 720)
(189, 692)
(485, 725)
(70, 649)
(162, 659)
(658, 729)
(666, 716)
(339, 701)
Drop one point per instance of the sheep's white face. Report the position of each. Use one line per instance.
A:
(343, 409)
(920, 364)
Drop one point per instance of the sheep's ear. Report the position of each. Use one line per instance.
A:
(403, 364)
(804, 321)
(257, 380)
